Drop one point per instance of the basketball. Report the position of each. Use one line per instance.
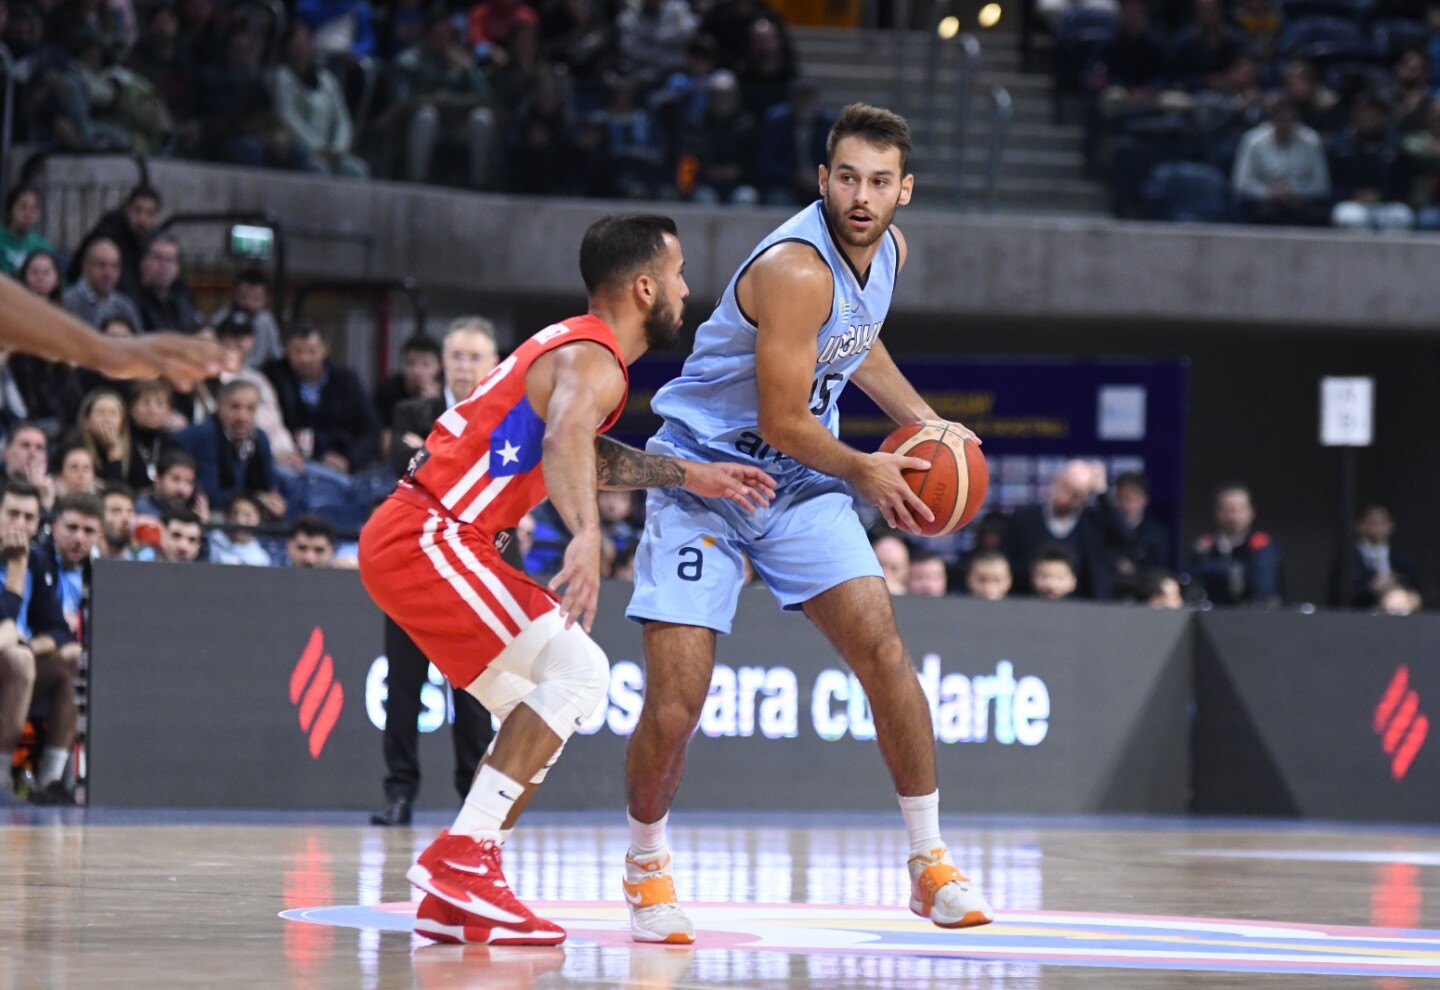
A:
(954, 487)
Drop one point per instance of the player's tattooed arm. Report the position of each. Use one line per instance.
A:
(621, 467)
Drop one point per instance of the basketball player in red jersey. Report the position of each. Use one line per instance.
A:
(428, 557)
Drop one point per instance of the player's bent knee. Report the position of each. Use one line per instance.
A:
(572, 676)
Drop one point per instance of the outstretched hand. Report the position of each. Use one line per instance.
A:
(580, 577)
(743, 484)
(181, 361)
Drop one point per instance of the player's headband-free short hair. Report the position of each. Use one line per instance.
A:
(617, 248)
(878, 126)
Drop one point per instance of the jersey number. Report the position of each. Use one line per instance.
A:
(691, 565)
(820, 395)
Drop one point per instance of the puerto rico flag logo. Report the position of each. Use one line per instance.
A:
(515, 444)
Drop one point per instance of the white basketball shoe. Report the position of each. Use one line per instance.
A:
(650, 895)
(942, 894)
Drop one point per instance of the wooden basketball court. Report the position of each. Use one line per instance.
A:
(90, 899)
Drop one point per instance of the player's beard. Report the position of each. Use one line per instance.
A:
(662, 324)
(880, 223)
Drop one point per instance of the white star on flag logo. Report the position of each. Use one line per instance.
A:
(509, 454)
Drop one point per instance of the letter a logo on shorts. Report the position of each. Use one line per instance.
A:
(314, 689)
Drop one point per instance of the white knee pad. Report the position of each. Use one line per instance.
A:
(571, 678)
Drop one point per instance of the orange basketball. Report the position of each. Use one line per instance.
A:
(954, 487)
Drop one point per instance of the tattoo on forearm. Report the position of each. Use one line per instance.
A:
(620, 466)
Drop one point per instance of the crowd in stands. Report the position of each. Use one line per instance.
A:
(1096, 540)
(608, 98)
(1299, 112)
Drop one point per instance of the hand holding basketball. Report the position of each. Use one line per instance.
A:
(882, 483)
(952, 488)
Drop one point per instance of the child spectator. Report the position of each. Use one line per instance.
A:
(237, 543)
(1053, 573)
(988, 576)
(927, 577)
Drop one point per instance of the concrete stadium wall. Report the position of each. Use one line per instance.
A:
(961, 264)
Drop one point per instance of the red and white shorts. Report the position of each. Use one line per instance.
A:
(443, 582)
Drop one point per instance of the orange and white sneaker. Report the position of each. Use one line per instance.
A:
(942, 894)
(462, 873)
(650, 895)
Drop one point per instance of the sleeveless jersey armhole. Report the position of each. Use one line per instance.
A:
(735, 286)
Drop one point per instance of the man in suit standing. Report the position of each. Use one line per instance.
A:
(467, 355)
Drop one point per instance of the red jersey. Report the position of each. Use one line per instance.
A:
(482, 459)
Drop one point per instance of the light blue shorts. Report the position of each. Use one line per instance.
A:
(688, 565)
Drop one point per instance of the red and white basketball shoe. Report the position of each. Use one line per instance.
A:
(459, 872)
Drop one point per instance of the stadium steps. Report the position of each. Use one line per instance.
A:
(1042, 171)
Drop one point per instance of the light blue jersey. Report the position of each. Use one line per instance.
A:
(713, 406)
(690, 563)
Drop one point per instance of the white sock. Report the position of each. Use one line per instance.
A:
(922, 821)
(52, 765)
(504, 835)
(490, 799)
(647, 840)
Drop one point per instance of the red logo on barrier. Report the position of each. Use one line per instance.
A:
(314, 688)
(1400, 724)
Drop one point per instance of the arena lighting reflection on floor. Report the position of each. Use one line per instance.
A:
(771, 906)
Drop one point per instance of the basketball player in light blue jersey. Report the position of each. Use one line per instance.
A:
(800, 319)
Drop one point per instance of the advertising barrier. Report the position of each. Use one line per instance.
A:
(255, 687)
(1318, 716)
